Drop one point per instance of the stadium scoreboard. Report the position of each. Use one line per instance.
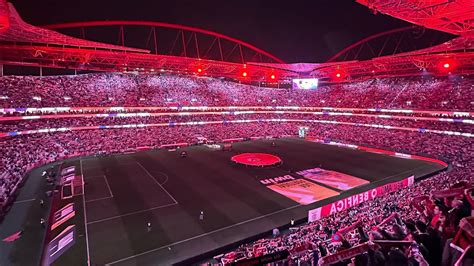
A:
(305, 84)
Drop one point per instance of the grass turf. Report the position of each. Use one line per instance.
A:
(125, 192)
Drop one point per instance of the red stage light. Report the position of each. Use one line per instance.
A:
(446, 65)
(338, 75)
(272, 76)
(199, 70)
(244, 74)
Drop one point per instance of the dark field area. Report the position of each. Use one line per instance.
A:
(125, 192)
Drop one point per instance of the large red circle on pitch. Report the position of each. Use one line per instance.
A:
(256, 159)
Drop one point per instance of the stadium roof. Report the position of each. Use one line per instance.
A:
(14, 29)
(455, 17)
(460, 44)
(47, 48)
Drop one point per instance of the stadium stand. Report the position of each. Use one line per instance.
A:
(111, 90)
(436, 121)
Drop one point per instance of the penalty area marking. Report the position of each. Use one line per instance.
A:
(175, 202)
(158, 183)
(166, 176)
(108, 186)
(23, 201)
(204, 234)
(85, 215)
(131, 213)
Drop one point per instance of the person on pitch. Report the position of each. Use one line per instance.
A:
(276, 232)
(148, 227)
(201, 216)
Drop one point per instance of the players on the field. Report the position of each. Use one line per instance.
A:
(276, 232)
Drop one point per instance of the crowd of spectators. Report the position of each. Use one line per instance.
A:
(179, 117)
(443, 93)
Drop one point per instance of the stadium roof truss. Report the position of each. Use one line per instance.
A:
(194, 51)
(15, 30)
(188, 41)
(452, 16)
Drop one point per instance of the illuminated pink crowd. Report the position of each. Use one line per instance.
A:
(433, 225)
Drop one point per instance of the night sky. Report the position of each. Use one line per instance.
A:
(296, 31)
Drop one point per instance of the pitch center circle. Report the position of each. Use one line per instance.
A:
(256, 159)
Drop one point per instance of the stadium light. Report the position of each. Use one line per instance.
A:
(447, 65)
(338, 74)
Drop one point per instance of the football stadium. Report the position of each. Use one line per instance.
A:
(136, 141)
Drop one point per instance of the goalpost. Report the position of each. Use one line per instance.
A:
(302, 131)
